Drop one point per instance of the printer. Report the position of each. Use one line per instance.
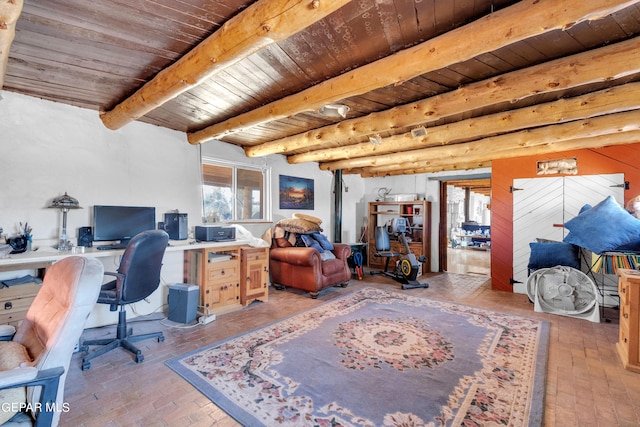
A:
(213, 233)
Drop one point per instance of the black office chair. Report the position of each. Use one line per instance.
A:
(138, 277)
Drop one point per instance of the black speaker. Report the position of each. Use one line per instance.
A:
(176, 225)
(85, 237)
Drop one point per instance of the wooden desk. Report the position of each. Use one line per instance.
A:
(173, 271)
(45, 256)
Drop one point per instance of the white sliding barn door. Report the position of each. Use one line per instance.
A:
(539, 203)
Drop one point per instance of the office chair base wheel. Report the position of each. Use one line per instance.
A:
(86, 366)
(139, 358)
(161, 338)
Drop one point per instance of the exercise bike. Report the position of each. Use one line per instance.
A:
(406, 271)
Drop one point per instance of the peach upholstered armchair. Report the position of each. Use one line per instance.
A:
(37, 359)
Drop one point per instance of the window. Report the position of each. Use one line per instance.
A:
(234, 192)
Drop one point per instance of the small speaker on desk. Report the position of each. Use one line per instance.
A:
(85, 237)
(176, 225)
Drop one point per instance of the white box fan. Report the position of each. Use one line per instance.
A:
(565, 291)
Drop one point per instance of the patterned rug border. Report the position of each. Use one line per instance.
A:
(536, 412)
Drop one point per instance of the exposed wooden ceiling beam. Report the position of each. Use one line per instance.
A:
(9, 13)
(261, 24)
(577, 144)
(608, 101)
(486, 182)
(458, 166)
(495, 31)
(488, 148)
(606, 63)
(478, 186)
(461, 164)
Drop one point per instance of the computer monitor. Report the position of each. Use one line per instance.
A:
(121, 223)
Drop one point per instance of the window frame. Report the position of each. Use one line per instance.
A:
(235, 166)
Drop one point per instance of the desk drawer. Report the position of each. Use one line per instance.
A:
(222, 272)
(13, 317)
(15, 302)
(18, 291)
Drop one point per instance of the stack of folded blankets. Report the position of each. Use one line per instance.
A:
(303, 231)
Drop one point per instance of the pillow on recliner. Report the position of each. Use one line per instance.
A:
(324, 242)
(310, 242)
(12, 354)
(549, 254)
(604, 227)
(298, 225)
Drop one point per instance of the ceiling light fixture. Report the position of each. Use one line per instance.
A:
(334, 110)
(419, 132)
(375, 139)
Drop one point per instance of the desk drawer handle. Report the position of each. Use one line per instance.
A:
(626, 315)
(8, 305)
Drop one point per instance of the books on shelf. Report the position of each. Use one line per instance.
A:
(610, 262)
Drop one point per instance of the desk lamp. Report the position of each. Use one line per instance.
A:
(64, 203)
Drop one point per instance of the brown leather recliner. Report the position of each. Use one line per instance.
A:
(303, 268)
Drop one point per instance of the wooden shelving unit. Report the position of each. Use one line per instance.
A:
(418, 215)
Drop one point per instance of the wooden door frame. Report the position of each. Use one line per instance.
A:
(442, 223)
(442, 229)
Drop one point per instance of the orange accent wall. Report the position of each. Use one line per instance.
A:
(618, 159)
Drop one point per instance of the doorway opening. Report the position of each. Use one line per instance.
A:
(465, 226)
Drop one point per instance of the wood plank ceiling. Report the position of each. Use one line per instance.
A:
(431, 85)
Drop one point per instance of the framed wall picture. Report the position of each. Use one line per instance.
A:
(296, 193)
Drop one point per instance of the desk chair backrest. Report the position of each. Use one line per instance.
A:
(56, 318)
(140, 266)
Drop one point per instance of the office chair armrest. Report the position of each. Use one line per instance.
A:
(114, 274)
(119, 278)
(17, 377)
(28, 376)
(31, 376)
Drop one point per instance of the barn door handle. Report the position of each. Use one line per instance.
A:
(625, 185)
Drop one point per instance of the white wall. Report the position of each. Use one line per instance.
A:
(49, 149)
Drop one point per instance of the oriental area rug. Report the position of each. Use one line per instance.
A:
(378, 358)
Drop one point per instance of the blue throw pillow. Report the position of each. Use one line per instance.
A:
(323, 241)
(605, 227)
(632, 246)
(310, 242)
(550, 254)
